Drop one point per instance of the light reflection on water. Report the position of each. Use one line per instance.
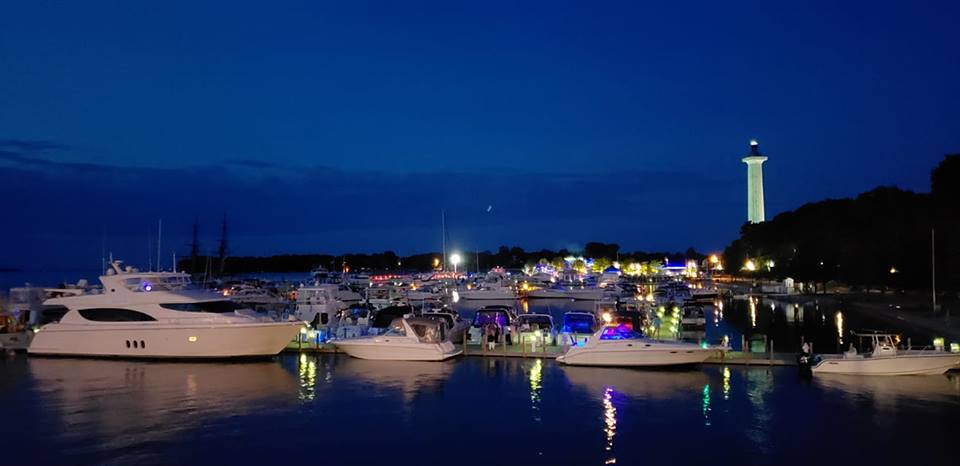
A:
(333, 408)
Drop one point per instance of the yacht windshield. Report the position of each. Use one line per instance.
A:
(620, 332)
(219, 307)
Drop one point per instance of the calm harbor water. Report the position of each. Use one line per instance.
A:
(331, 409)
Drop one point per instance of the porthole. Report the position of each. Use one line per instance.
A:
(142, 344)
(128, 343)
(135, 343)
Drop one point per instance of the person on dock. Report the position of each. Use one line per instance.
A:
(492, 336)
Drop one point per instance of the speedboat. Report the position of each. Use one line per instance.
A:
(886, 359)
(618, 345)
(537, 329)
(501, 317)
(158, 315)
(407, 339)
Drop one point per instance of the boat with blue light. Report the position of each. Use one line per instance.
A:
(619, 345)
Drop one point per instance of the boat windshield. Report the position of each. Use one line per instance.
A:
(162, 283)
(620, 332)
(396, 329)
(218, 307)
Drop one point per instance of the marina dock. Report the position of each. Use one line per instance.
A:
(736, 358)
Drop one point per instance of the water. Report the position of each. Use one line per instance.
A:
(331, 409)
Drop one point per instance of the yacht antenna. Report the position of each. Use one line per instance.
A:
(149, 252)
(159, 235)
(174, 260)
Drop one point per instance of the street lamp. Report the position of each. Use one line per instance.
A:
(455, 260)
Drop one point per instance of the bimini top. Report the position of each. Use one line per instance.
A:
(579, 322)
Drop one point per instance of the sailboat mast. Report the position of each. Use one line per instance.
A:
(443, 231)
(933, 268)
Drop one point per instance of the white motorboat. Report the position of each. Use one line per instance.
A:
(618, 345)
(157, 315)
(574, 293)
(407, 339)
(885, 359)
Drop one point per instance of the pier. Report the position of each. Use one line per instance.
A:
(735, 358)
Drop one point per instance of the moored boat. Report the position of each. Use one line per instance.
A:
(407, 339)
(157, 315)
(618, 345)
(886, 359)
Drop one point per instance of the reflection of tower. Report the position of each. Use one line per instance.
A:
(754, 163)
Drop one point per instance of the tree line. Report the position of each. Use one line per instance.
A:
(508, 257)
(884, 238)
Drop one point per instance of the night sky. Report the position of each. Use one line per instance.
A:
(347, 127)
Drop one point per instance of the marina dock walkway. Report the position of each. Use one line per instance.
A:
(737, 358)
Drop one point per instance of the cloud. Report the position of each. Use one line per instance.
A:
(69, 209)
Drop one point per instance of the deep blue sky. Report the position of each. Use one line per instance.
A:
(347, 127)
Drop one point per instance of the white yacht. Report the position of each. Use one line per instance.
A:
(157, 315)
(618, 345)
(495, 286)
(407, 339)
(886, 359)
(318, 304)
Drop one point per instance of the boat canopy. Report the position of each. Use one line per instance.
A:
(538, 319)
(579, 322)
(385, 316)
(498, 317)
(426, 330)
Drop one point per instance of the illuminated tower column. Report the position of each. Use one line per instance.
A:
(754, 163)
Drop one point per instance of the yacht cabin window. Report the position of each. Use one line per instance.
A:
(114, 315)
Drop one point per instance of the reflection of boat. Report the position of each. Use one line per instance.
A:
(136, 402)
(410, 377)
(407, 339)
(617, 345)
(934, 388)
(651, 384)
(158, 315)
(886, 359)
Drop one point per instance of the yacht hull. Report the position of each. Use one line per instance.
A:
(152, 340)
(382, 350)
(635, 358)
(931, 364)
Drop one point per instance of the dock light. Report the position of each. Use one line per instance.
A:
(938, 343)
(303, 330)
(607, 317)
(750, 265)
(455, 260)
